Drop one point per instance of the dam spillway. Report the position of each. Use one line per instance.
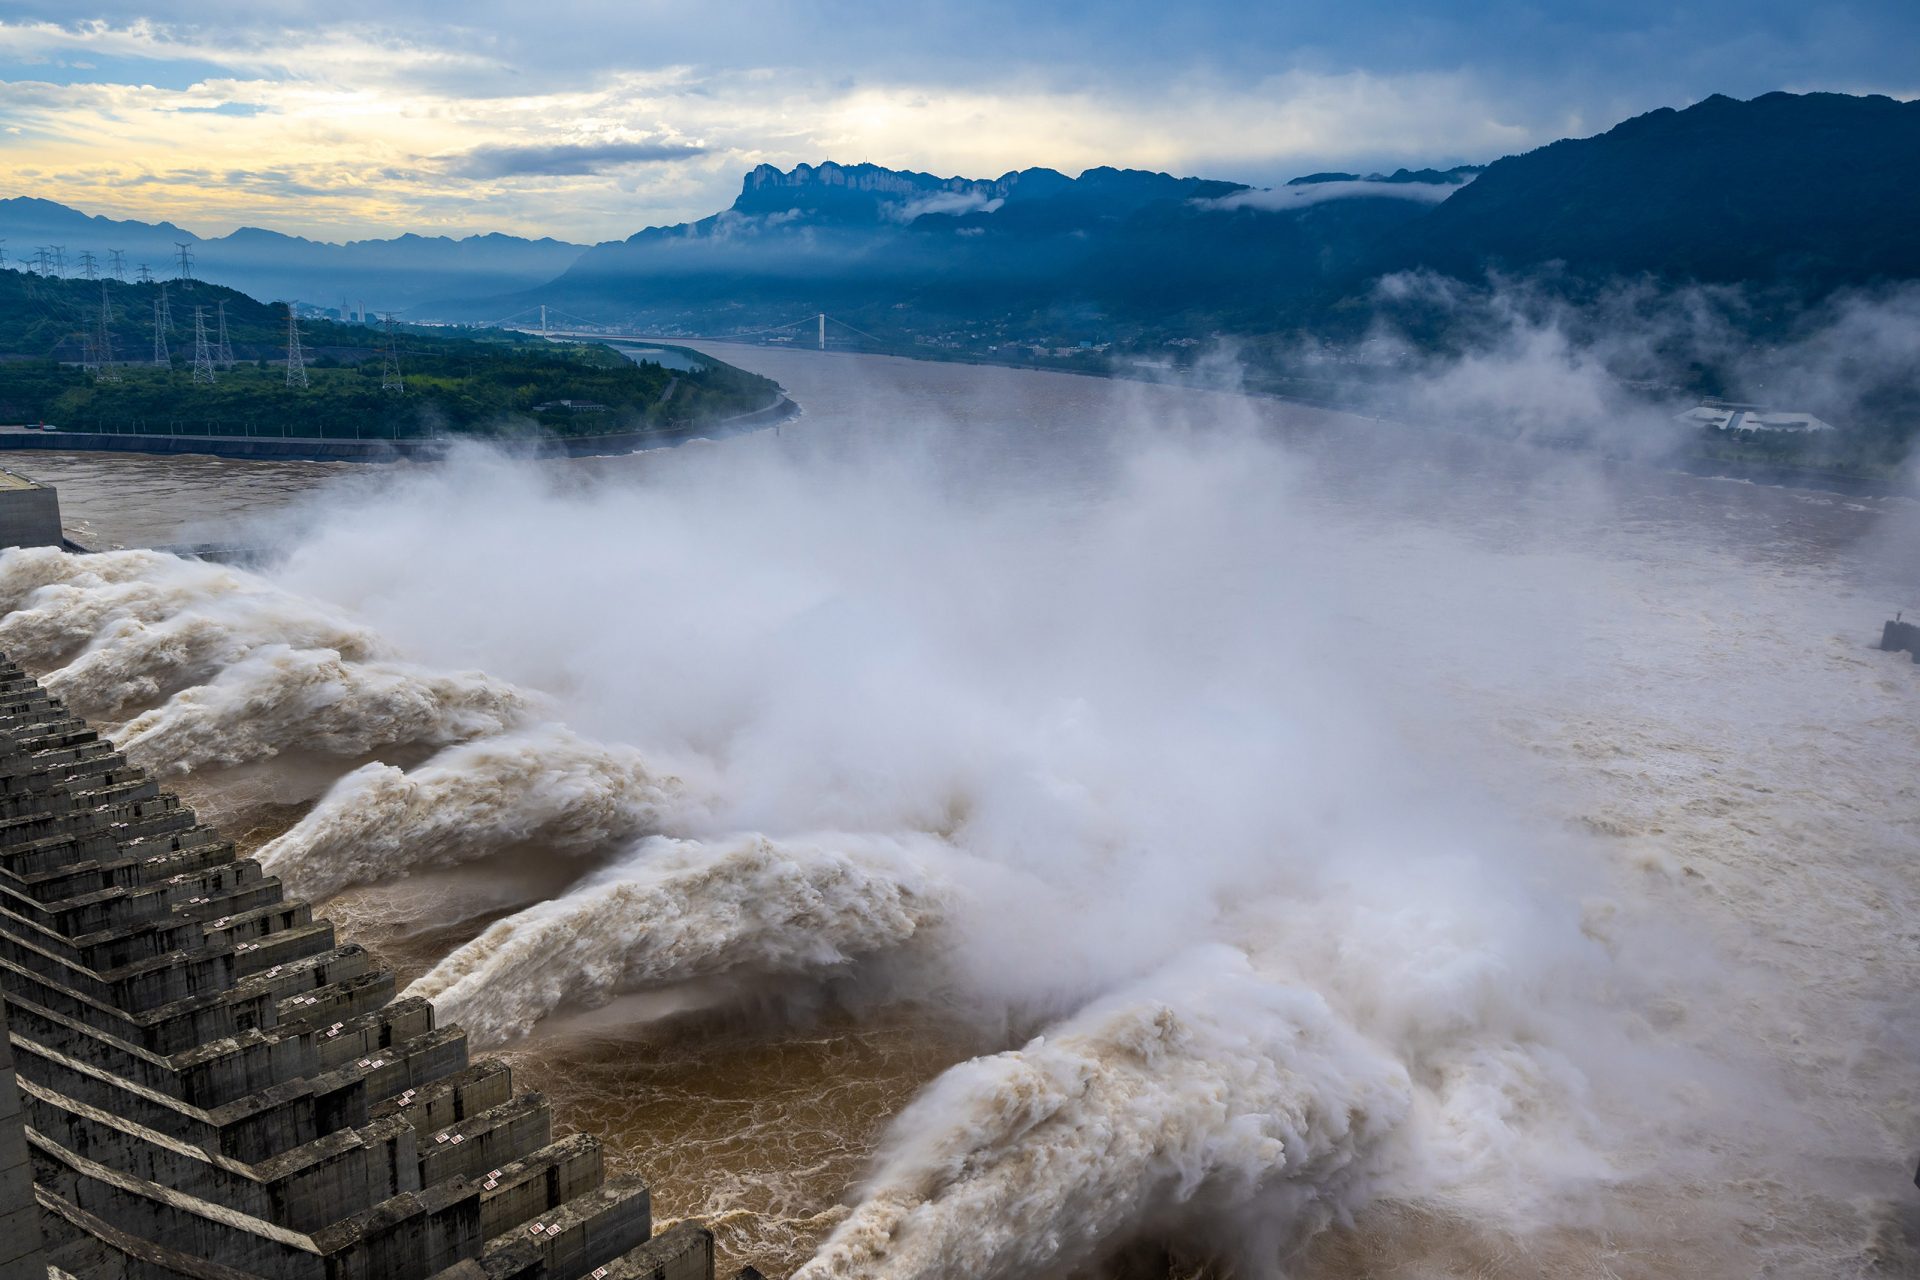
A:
(197, 1079)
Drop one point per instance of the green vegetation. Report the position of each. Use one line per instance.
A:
(470, 382)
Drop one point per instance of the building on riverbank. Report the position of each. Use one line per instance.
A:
(1724, 415)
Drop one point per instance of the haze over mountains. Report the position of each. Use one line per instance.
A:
(385, 274)
(1801, 193)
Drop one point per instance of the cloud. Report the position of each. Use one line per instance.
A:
(952, 203)
(1283, 199)
(567, 158)
(366, 90)
(227, 109)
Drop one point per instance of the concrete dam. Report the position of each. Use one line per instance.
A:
(197, 1081)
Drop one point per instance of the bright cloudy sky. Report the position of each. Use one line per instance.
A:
(589, 121)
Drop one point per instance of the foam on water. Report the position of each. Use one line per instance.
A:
(679, 910)
(57, 603)
(278, 698)
(1204, 1087)
(543, 784)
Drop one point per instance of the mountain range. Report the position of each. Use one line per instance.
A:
(395, 274)
(1804, 194)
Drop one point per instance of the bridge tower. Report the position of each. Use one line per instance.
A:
(823, 331)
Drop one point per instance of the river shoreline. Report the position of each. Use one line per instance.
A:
(317, 449)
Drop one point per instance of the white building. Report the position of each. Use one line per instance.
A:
(1721, 416)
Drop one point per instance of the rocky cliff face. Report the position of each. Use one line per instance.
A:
(870, 179)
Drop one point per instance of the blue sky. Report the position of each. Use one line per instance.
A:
(592, 120)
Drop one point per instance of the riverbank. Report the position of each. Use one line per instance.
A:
(318, 449)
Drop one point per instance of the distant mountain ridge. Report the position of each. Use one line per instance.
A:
(1802, 193)
(1817, 190)
(389, 273)
(837, 236)
(1806, 193)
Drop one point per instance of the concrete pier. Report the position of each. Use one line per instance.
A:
(1899, 635)
(210, 1085)
(29, 512)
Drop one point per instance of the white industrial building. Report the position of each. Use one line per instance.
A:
(1721, 416)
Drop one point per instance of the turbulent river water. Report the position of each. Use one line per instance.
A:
(1010, 824)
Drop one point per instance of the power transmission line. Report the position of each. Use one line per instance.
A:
(223, 349)
(119, 263)
(89, 265)
(166, 307)
(202, 353)
(59, 260)
(146, 274)
(186, 262)
(296, 358)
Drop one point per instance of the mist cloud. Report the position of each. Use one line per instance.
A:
(1307, 829)
(1281, 199)
(566, 158)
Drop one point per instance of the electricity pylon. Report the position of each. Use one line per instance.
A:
(89, 265)
(59, 260)
(202, 353)
(103, 344)
(146, 274)
(161, 356)
(296, 358)
(166, 307)
(223, 349)
(186, 262)
(390, 366)
(119, 264)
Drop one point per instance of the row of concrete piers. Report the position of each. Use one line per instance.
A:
(199, 1081)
